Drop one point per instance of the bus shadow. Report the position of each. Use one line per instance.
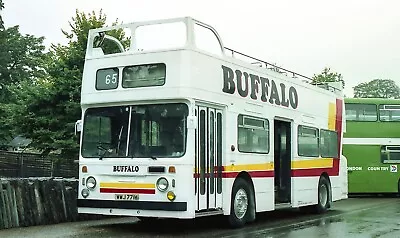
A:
(203, 226)
(374, 195)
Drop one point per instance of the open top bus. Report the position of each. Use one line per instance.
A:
(175, 125)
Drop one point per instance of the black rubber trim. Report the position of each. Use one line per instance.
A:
(140, 205)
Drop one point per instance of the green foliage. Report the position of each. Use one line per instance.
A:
(377, 88)
(327, 76)
(22, 62)
(1, 19)
(50, 109)
(21, 58)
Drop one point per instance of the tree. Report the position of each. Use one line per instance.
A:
(1, 19)
(327, 76)
(22, 59)
(377, 88)
(51, 109)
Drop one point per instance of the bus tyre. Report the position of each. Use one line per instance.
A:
(398, 188)
(324, 189)
(242, 202)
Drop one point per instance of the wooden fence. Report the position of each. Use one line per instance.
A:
(23, 165)
(40, 201)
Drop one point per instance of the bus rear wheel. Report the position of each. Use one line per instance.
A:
(241, 204)
(324, 189)
(324, 202)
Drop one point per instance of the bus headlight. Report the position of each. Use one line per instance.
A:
(91, 183)
(162, 184)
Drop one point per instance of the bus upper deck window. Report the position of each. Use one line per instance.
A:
(206, 40)
(389, 112)
(143, 75)
(160, 36)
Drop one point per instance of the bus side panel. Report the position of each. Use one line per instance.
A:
(263, 186)
(367, 174)
(264, 193)
(304, 191)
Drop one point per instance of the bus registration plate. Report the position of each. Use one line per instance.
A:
(131, 197)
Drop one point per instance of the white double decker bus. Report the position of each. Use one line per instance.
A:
(175, 125)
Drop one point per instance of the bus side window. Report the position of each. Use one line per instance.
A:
(390, 154)
(329, 144)
(253, 134)
(308, 141)
(361, 112)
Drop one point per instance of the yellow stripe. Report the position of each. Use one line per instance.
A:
(332, 116)
(314, 163)
(249, 167)
(299, 164)
(127, 185)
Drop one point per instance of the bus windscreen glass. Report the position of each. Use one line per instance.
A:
(157, 130)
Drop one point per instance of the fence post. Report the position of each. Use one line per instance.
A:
(3, 222)
(52, 167)
(21, 162)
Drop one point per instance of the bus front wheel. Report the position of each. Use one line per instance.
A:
(241, 203)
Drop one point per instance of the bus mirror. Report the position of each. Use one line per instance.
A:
(191, 122)
(78, 126)
(78, 129)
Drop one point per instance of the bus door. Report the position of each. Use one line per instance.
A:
(282, 161)
(208, 164)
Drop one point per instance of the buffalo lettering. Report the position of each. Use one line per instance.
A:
(125, 168)
(256, 87)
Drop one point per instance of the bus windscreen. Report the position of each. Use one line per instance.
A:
(157, 130)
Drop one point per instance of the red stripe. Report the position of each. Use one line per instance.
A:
(310, 172)
(262, 174)
(230, 174)
(338, 128)
(206, 175)
(127, 190)
(254, 174)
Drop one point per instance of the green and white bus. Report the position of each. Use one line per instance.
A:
(372, 145)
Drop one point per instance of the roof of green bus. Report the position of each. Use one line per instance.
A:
(372, 100)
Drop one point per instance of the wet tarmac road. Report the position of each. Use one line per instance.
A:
(354, 217)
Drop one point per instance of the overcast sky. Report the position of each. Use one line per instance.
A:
(358, 38)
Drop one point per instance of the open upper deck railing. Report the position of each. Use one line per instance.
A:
(174, 34)
(270, 66)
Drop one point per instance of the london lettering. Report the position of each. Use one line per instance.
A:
(125, 168)
(259, 88)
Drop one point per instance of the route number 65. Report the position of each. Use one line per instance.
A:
(111, 78)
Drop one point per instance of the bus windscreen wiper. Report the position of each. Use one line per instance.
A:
(105, 151)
